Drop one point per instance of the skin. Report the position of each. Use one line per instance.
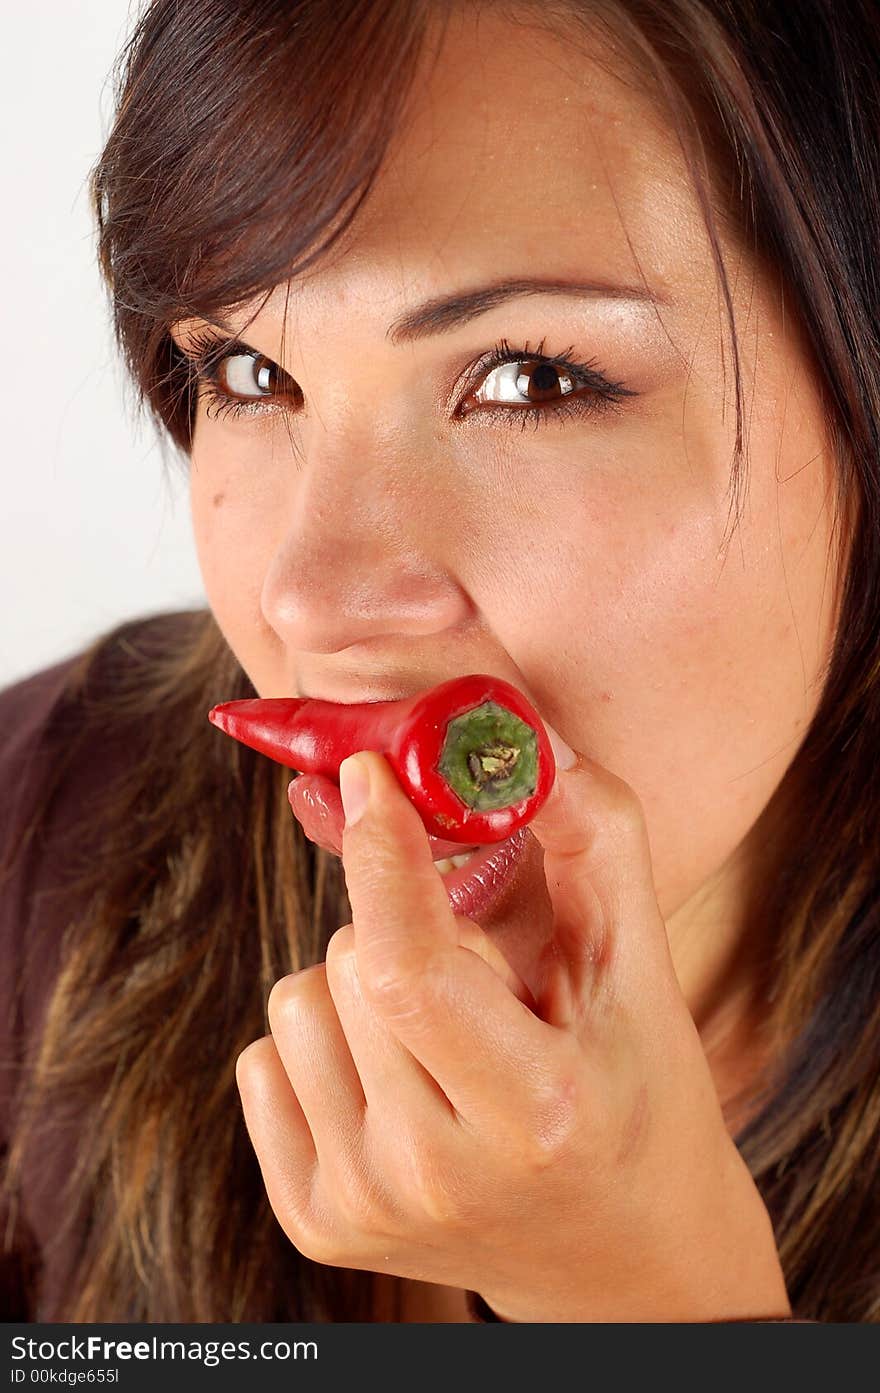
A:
(361, 540)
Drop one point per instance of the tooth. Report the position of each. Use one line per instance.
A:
(448, 863)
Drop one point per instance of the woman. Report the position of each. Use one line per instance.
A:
(354, 250)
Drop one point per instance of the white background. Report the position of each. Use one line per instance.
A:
(94, 524)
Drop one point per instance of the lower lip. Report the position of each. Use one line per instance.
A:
(473, 889)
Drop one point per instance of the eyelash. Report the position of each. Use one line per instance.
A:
(207, 352)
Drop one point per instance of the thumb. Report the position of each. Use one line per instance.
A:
(608, 933)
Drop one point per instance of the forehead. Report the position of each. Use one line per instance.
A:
(525, 149)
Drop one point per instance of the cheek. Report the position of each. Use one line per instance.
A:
(690, 673)
(234, 545)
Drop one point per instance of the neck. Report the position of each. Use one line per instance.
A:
(721, 946)
(402, 1300)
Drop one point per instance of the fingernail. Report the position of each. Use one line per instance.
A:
(354, 786)
(564, 756)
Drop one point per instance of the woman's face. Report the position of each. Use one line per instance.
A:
(390, 516)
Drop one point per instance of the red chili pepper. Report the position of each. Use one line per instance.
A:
(471, 754)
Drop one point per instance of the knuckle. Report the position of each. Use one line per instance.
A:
(250, 1061)
(636, 1128)
(398, 989)
(320, 1244)
(434, 1191)
(624, 815)
(312, 1229)
(340, 959)
(291, 996)
(293, 1209)
(556, 1117)
(360, 1206)
(612, 820)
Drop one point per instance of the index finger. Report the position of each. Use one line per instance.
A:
(443, 1001)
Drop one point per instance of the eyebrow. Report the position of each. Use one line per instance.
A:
(447, 312)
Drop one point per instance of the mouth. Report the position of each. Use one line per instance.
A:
(476, 879)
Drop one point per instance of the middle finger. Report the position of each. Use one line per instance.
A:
(391, 1077)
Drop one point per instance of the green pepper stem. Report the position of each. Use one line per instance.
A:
(490, 757)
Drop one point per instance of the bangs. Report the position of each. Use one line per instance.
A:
(248, 136)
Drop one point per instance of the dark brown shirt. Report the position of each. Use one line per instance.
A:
(32, 922)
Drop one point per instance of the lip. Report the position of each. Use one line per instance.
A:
(317, 806)
(474, 889)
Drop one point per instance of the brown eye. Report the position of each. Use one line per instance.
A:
(526, 381)
(248, 375)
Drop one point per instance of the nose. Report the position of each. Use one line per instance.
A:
(365, 554)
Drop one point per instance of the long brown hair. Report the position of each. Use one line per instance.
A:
(246, 139)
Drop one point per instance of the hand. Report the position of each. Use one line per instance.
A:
(416, 1111)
